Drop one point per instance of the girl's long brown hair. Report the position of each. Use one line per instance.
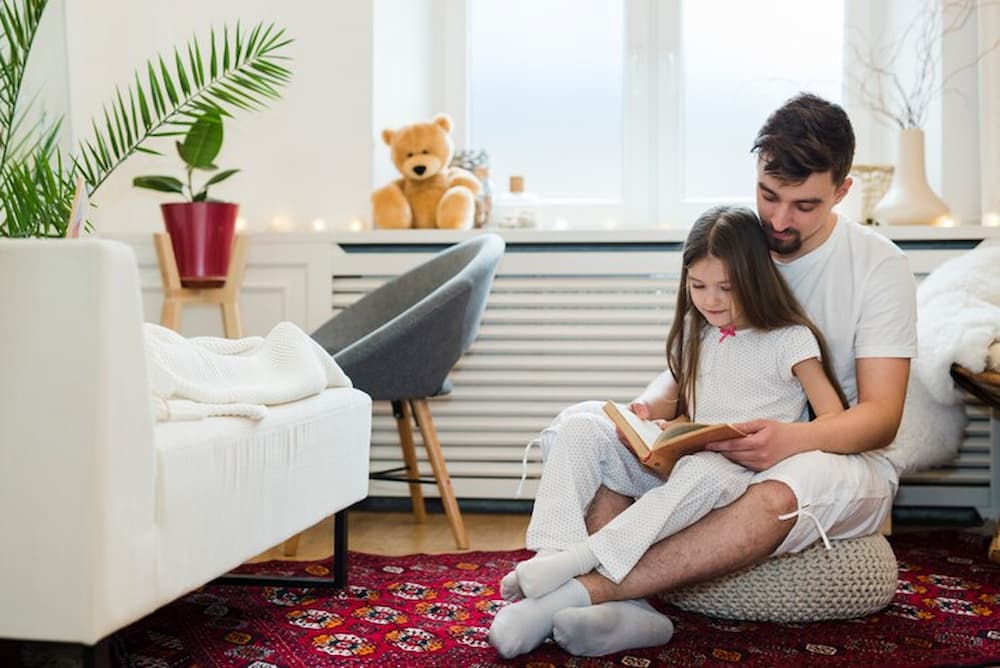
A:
(734, 236)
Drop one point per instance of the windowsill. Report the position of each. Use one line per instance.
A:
(619, 236)
(625, 235)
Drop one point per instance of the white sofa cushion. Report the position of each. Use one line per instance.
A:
(230, 488)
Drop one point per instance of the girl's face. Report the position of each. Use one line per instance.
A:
(710, 292)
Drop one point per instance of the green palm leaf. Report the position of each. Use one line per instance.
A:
(36, 188)
(165, 98)
(243, 71)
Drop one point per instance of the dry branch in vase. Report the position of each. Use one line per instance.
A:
(903, 102)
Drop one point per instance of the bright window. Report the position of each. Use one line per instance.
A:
(542, 98)
(638, 112)
(737, 71)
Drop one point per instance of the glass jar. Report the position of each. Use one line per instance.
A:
(516, 209)
(484, 200)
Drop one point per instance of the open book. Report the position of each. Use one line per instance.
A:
(660, 449)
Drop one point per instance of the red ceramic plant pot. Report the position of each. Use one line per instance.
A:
(201, 234)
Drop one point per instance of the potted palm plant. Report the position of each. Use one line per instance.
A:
(201, 229)
(175, 96)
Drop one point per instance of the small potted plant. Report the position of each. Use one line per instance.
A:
(201, 229)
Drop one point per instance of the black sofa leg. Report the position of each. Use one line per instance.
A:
(340, 549)
(338, 581)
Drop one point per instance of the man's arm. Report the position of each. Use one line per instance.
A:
(869, 425)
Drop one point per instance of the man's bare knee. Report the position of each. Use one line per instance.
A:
(605, 506)
(774, 497)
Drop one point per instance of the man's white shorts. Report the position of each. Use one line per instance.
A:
(839, 496)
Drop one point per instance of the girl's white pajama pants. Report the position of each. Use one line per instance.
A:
(840, 496)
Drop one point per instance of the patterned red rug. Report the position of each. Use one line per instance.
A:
(435, 611)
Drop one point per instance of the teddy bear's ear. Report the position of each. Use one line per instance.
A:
(443, 121)
(387, 136)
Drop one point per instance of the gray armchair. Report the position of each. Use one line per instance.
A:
(398, 343)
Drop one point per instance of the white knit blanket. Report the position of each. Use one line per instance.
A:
(199, 377)
(958, 320)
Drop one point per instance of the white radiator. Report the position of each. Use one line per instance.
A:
(570, 322)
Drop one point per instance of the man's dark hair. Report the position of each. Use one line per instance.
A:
(806, 135)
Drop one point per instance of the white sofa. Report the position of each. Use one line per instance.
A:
(106, 515)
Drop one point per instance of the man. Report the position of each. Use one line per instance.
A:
(816, 479)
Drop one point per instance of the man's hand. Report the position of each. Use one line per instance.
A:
(767, 443)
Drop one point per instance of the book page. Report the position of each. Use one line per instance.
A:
(691, 436)
(633, 427)
(649, 431)
(680, 428)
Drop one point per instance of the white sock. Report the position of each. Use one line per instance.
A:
(541, 575)
(521, 627)
(510, 589)
(611, 627)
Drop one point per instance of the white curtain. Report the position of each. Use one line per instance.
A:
(989, 113)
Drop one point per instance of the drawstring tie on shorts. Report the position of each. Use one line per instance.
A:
(534, 443)
(819, 527)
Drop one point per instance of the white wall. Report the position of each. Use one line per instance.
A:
(958, 132)
(307, 156)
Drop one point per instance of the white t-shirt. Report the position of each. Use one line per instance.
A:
(749, 375)
(859, 290)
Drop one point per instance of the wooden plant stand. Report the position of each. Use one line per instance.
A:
(175, 295)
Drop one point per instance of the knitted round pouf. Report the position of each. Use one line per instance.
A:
(855, 578)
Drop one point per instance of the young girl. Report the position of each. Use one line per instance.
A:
(740, 348)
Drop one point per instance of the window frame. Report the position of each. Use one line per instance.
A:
(652, 138)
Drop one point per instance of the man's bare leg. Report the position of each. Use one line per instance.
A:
(606, 506)
(727, 539)
(741, 534)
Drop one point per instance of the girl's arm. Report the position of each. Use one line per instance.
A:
(819, 390)
(659, 400)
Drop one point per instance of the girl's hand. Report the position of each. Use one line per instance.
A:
(767, 442)
(641, 409)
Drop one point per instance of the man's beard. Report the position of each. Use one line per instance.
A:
(782, 246)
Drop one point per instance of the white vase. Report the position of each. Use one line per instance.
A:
(910, 200)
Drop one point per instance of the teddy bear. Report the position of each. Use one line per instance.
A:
(430, 193)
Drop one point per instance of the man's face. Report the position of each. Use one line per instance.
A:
(797, 217)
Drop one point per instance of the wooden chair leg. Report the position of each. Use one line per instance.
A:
(232, 326)
(404, 421)
(994, 552)
(170, 314)
(291, 546)
(434, 454)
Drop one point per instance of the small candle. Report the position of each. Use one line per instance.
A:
(281, 224)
